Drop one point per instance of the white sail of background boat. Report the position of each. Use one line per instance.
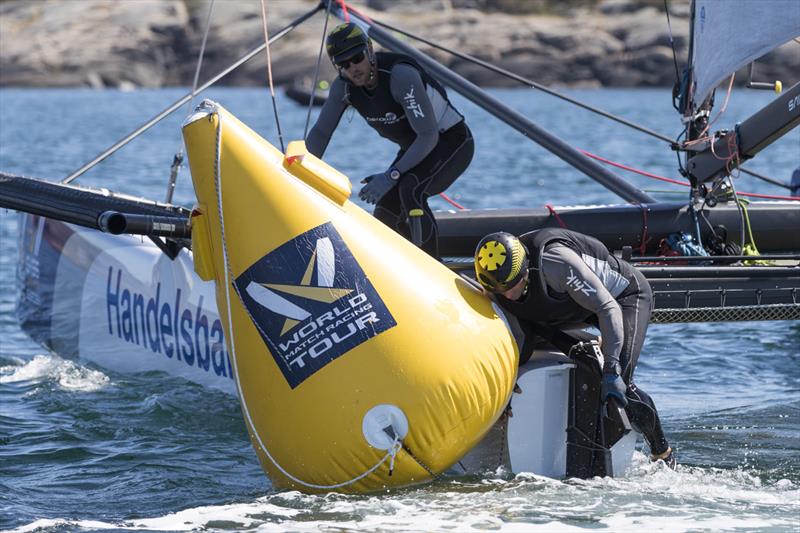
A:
(727, 35)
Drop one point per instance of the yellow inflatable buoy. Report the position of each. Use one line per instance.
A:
(361, 362)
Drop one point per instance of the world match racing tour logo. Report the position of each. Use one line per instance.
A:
(311, 302)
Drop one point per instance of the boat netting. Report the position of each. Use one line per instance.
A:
(727, 314)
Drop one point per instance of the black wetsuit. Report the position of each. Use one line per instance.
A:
(411, 109)
(573, 279)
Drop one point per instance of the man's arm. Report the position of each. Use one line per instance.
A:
(329, 115)
(565, 271)
(408, 90)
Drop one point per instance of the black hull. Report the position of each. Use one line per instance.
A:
(775, 225)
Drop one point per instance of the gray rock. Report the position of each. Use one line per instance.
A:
(154, 43)
(92, 42)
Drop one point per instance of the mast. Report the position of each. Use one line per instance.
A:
(514, 119)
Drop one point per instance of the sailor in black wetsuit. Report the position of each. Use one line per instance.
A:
(407, 106)
(557, 278)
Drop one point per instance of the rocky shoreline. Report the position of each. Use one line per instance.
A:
(155, 43)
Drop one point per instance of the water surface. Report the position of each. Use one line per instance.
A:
(85, 448)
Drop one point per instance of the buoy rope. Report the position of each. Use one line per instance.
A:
(177, 159)
(269, 73)
(316, 69)
(396, 446)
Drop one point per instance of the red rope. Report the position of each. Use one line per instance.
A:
(553, 212)
(634, 170)
(344, 10)
(676, 182)
(452, 202)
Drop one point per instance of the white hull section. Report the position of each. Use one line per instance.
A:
(120, 302)
(534, 438)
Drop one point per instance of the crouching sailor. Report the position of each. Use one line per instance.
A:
(405, 105)
(557, 277)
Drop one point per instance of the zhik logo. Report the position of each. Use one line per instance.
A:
(578, 284)
(312, 302)
(412, 105)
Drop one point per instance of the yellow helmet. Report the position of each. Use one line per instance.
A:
(500, 261)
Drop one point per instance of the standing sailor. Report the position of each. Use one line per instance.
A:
(408, 107)
(556, 277)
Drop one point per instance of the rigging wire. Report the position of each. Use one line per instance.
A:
(178, 103)
(527, 81)
(535, 85)
(269, 74)
(316, 69)
(177, 159)
(672, 44)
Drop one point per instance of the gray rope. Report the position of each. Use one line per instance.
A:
(177, 104)
(269, 74)
(316, 70)
(178, 158)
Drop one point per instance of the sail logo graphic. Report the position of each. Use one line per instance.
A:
(311, 302)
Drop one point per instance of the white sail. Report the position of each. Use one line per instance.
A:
(729, 34)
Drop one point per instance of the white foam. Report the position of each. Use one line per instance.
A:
(61, 524)
(651, 498)
(67, 374)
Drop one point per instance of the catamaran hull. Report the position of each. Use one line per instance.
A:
(120, 302)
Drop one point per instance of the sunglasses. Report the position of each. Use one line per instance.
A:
(344, 65)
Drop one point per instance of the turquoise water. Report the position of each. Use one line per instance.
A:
(85, 448)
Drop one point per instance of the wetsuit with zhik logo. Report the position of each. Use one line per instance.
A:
(574, 279)
(411, 109)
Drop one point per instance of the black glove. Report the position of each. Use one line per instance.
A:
(376, 186)
(612, 384)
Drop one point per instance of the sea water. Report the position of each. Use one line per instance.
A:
(85, 448)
